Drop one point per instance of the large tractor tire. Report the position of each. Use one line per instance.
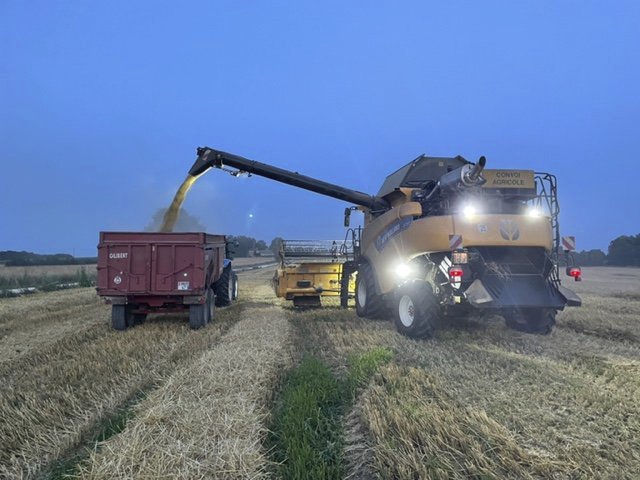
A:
(235, 285)
(417, 310)
(200, 315)
(531, 320)
(225, 288)
(121, 317)
(368, 303)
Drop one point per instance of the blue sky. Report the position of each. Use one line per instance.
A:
(102, 105)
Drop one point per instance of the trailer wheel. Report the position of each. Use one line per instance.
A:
(368, 303)
(224, 288)
(200, 315)
(132, 319)
(211, 306)
(417, 309)
(531, 320)
(121, 317)
(197, 316)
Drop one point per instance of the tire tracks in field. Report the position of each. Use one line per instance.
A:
(567, 397)
(208, 418)
(55, 400)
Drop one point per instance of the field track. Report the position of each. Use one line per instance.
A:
(478, 400)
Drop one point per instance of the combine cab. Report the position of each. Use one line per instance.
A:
(312, 269)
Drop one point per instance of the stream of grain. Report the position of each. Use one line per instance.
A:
(172, 213)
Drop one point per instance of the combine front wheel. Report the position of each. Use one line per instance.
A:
(531, 320)
(368, 303)
(417, 310)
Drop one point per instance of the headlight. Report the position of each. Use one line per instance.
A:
(534, 212)
(469, 210)
(403, 270)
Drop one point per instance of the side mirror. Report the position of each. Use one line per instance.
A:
(347, 217)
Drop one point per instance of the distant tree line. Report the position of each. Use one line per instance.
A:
(12, 258)
(623, 251)
(242, 246)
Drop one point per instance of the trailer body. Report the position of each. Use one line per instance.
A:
(149, 272)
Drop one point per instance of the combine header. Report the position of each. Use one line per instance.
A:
(446, 237)
(311, 269)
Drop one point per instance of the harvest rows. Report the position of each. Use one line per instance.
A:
(162, 401)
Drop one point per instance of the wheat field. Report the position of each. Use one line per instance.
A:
(478, 400)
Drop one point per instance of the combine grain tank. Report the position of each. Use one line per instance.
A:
(144, 272)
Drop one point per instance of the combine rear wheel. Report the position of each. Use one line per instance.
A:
(225, 287)
(368, 303)
(417, 310)
(531, 320)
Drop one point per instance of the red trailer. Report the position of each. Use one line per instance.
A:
(149, 272)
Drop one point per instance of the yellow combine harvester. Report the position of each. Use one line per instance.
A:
(311, 269)
(444, 237)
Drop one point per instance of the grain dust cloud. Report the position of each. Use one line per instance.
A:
(172, 213)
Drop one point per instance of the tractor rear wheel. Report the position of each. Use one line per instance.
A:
(417, 309)
(224, 288)
(531, 320)
(234, 275)
(368, 303)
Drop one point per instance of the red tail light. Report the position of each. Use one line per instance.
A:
(575, 272)
(456, 271)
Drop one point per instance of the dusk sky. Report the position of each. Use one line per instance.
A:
(102, 105)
